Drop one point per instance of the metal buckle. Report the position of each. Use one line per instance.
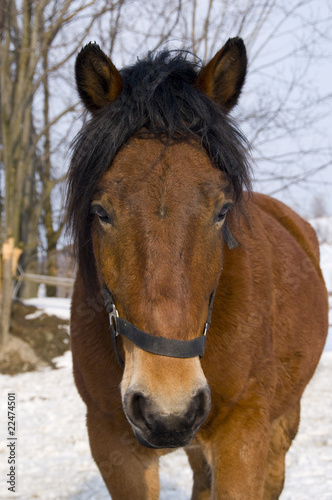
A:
(206, 329)
(113, 315)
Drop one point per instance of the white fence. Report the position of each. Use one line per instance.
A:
(41, 279)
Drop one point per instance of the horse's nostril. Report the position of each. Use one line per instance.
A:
(200, 405)
(137, 408)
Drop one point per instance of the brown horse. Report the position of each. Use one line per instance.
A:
(164, 232)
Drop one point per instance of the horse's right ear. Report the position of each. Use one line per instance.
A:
(97, 79)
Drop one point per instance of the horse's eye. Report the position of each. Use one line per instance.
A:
(222, 214)
(101, 213)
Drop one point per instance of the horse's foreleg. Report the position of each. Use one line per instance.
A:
(238, 451)
(129, 470)
(283, 431)
(201, 473)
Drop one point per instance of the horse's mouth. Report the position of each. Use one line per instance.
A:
(165, 440)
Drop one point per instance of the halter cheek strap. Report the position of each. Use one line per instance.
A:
(162, 346)
(229, 238)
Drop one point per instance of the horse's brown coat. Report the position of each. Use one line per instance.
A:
(162, 256)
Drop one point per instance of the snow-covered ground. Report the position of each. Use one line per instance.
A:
(54, 461)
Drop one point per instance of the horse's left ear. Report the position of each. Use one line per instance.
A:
(223, 77)
(98, 81)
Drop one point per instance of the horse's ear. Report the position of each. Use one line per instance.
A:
(223, 77)
(98, 81)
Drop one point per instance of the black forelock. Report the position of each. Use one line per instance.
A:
(160, 98)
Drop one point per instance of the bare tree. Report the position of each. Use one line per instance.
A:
(30, 31)
(284, 109)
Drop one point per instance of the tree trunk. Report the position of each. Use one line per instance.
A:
(10, 256)
(6, 289)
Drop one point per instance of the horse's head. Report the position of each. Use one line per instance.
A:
(157, 209)
(157, 243)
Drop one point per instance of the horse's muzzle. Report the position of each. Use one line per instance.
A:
(156, 430)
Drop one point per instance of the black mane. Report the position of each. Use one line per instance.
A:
(158, 96)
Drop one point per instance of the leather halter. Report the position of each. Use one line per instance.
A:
(161, 346)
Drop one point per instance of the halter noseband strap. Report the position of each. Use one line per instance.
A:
(162, 346)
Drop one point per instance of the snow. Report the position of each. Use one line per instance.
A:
(326, 264)
(49, 305)
(323, 227)
(54, 460)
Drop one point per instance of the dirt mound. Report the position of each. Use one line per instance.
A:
(33, 342)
